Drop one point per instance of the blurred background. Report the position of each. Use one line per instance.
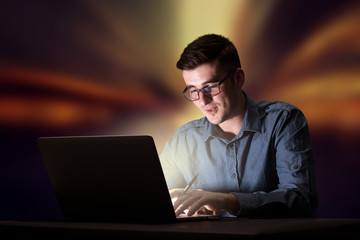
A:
(108, 67)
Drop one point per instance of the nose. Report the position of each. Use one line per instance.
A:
(204, 99)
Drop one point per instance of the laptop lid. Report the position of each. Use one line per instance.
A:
(107, 178)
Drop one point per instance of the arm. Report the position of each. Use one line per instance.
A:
(293, 185)
(173, 175)
(196, 200)
(296, 193)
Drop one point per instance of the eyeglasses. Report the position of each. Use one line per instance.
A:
(210, 91)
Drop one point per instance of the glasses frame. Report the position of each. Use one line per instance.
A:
(217, 85)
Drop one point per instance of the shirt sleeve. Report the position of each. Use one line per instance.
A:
(173, 175)
(296, 193)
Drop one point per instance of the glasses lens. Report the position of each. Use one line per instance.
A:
(211, 91)
(193, 95)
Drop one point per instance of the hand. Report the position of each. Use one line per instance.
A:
(200, 201)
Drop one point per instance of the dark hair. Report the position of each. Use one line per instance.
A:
(208, 48)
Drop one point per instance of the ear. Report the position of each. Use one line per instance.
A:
(239, 78)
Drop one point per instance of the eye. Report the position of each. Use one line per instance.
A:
(207, 89)
(210, 89)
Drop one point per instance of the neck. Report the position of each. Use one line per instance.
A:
(232, 126)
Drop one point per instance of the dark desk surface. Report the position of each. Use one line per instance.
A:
(216, 229)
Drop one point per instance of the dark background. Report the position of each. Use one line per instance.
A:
(108, 67)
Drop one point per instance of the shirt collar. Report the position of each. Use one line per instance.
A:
(251, 121)
(252, 116)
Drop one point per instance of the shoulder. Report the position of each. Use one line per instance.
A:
(278, 111)
(280, 114)
(197, 124)
(193, 131)
(273, 107)
(187, 136)
(285, 121)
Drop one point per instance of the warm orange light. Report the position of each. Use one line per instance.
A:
(23, 112)
(78, 102)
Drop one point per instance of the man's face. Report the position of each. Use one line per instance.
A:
(221, 107)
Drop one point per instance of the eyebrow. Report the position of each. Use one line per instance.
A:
(204, 83)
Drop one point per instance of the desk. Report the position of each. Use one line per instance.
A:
(219, 229)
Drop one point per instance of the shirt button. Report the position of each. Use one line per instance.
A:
(233, 175)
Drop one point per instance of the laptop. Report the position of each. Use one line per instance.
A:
(108, 178)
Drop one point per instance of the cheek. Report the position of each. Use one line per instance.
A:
(220, 100)
(197, 104)
(224, 103)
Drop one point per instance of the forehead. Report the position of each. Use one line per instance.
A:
(202, 75)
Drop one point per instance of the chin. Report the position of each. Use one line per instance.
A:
(214, 121)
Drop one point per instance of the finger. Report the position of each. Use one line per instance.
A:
(182, 207)
(175, 192)
(197, 205)
(204, 210)
(181, 199)
(184, 203)
(216, 213)
(178, 202)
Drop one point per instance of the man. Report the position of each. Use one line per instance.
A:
(253, 159)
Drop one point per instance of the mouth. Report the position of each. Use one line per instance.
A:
(211, 110)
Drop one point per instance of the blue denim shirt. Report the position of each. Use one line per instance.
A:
(268, 166)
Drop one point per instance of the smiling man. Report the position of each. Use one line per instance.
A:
(252, 159)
